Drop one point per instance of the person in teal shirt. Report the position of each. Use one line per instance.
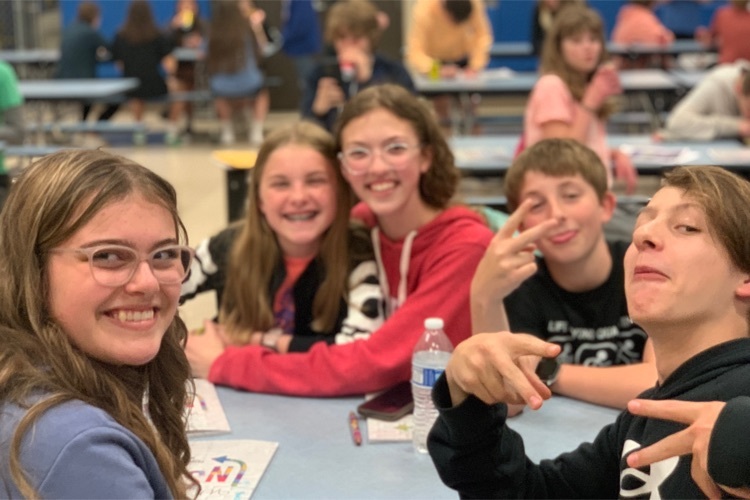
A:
(11, 100)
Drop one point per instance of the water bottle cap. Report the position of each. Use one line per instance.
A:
(434, 323)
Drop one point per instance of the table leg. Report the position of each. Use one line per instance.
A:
(236, 193)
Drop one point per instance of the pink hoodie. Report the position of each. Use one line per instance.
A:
(638, 24)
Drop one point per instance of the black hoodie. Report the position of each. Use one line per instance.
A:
(478, 455)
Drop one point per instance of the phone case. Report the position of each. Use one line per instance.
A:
(391, 405)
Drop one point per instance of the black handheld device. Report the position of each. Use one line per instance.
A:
(390, 405)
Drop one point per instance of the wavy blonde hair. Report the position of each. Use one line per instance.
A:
(52, 200)
(571, 21)
(247, 304)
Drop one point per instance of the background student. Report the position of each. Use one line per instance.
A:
(401, 167)
(81, 47)
(187, 29)
(728, 31)
(718, 107)
(574, 295)
(352, 27)
(574, 94)
(303, 40)
(637, 23)
(542, 18)
(140, 50)
(12, 129)
(687, 282)
(233, 62)
(454, 36)
(92, 263)
(295, 271)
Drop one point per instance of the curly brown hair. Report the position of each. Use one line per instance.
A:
(436, 186)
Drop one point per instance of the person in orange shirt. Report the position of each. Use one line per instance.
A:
(728, 31)
(637, 24)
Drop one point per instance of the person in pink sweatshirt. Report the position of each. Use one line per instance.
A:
(637, 24)
(400, 166)
(728, 31)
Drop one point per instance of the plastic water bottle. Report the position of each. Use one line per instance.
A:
(431, 354)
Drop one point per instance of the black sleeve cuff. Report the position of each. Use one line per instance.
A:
(470, 420)
(729, 451)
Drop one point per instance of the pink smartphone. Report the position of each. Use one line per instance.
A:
(390, 405)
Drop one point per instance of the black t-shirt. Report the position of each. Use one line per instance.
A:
(593, 328)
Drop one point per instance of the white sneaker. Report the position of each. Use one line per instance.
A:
(255, 137)
(172, 138)
(227, 137)
(139, 138)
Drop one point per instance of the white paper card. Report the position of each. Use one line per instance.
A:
(205, 415)
(382, 431)
(229, 469)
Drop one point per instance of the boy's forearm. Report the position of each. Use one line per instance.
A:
(611, 386)
(486, 316)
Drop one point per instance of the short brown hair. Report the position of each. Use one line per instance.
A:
(436, 186)
(357, 18)
(555, 158)
(88, 12)
(724, 197)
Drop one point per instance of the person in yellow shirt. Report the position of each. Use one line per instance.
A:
(454, 33)
(448, 38)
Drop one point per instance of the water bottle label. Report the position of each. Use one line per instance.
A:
(425, 377)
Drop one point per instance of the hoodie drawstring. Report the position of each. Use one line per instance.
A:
(403, 267)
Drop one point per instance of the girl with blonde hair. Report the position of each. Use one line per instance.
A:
(295, 271)
(397, 161)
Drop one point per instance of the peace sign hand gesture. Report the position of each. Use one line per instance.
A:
(700, 417)
(508, 261)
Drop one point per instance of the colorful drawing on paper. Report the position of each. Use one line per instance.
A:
(204, 413)
(229, 469)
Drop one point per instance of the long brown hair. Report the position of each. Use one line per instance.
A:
(436, 186)
(51, 200)
(228, 38)
(570, 21)
(247, 301)
(139, 26)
